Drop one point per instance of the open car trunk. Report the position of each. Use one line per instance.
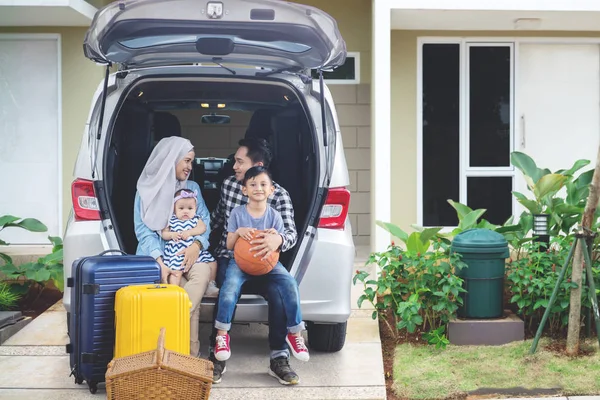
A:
(160, 107)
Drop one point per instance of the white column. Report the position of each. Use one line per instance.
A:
(380, 123)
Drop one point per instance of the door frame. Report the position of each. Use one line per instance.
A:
(517, 141)
(51, 37)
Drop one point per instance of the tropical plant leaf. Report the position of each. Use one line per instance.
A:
(584, 179)
(484, 224)
(59, 282)
(462, 210)
(3, 243)
(509, 228)
(52, 258)
(394, 230)
(414, 244)
(7, 259)
(428, 233)
(530, 182)
(30, 270)
(569, 209)
(7, 219)
(529, 204)
(526, 165)
(42, 275)
(55, 240)
(9, 269)
(417, 228)
(576, 167)
(470, 220)
(30, 224)
(575, 194)
(549, 184)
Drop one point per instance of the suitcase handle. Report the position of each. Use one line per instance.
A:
(112, 251)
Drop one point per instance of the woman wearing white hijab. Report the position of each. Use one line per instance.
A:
(165, 172)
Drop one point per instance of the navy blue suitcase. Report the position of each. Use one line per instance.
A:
(95, 280)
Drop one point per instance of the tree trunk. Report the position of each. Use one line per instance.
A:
(577, 272)
(575, 304)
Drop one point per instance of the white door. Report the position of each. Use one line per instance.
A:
(558, 99)
(30, 154)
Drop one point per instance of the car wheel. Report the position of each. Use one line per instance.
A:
(326, 337)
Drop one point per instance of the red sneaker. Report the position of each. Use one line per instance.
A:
(299, 349)
(222, 349)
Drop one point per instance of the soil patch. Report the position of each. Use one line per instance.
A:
(34, 305)
(388, 347)
(559, 346)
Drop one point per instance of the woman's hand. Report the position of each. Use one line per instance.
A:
(190, 256)
(164, 270)
(176, 236)
(266, 243)
(246, 233)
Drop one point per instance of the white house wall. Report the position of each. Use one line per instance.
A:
(403, 132)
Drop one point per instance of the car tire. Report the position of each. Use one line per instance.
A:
(326, 337)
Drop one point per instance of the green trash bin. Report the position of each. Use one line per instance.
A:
(485, 252)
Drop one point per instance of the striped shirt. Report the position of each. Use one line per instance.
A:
(172, 247)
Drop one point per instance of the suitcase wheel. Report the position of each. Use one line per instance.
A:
(93, 387)
(78, 380)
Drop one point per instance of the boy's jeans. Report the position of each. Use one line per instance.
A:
(277, 322)
(278, 282)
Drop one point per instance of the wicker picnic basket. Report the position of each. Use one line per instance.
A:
(159, 374)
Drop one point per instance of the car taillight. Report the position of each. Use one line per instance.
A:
(85, 203)
(335, 210)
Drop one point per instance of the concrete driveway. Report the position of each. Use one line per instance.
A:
(34, 365)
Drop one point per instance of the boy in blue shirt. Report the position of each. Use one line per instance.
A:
(243, 221)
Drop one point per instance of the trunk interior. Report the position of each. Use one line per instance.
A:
(155, 109)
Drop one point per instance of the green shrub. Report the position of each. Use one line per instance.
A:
(418, 285)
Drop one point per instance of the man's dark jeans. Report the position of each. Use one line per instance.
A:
(277, 318)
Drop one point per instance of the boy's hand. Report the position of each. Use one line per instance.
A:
(185, 235)
(246, 233)
(266, 243)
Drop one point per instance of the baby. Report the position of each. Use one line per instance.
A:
(179, 235)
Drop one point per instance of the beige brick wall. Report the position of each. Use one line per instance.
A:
(353, 105)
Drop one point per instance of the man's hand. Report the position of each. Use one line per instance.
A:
(246, 233)
(190, 256)
(266, 243)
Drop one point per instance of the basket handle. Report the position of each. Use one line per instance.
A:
(160, 349)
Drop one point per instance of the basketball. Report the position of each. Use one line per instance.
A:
(251, 265)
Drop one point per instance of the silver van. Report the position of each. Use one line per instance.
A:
(190, 68)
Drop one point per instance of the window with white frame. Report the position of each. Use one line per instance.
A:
(466, 129)
(346, 74)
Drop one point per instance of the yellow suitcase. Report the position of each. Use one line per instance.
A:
(142, 310)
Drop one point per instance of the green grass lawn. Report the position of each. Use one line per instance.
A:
(422, 372)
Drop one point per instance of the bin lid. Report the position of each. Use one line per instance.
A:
(480, 240)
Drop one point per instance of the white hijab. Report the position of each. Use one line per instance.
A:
(158, 182)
